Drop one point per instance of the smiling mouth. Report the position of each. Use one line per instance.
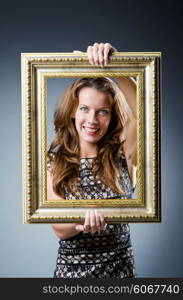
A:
(91, 129)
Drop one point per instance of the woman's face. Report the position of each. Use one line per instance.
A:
(93, 115)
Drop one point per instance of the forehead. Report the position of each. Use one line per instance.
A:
(92, 97)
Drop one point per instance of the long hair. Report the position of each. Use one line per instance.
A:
(65, 147)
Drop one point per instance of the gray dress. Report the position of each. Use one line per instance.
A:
(102, 255)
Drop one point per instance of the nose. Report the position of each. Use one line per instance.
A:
(92, 118)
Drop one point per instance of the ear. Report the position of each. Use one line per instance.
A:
(73, 115)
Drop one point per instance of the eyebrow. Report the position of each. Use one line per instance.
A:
(99, 108)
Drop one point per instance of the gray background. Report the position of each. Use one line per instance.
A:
(30, 250)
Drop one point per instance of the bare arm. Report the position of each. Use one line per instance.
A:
(128, 87)
(65, 230)
(98, 55)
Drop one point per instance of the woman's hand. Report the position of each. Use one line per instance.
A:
(94, 221)
(99, 53)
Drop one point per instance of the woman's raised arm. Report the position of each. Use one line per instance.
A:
(98, 55)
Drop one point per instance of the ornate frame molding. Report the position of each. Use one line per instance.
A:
(37, 68)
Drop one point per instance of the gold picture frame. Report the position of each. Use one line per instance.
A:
(36, 69)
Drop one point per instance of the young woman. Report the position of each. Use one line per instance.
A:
(93, 156)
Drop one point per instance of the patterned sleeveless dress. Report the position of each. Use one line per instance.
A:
(103, 255)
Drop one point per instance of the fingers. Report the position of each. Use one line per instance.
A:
(87, 222)
(90, 222)
(90, 54)
(108, 49)
(99, 53)
(102, 222)
(97, 218)
(94, 221)
(95, 54)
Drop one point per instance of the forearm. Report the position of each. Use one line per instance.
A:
(65, 231)
(128, 87)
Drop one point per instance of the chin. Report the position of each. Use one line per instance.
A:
(91, 141)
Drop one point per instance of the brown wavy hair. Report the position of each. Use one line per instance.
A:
(65, 147)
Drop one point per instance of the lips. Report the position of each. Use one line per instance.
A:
(91, 130)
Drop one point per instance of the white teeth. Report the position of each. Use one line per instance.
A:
(91, 130)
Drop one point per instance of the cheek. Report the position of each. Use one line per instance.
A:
(79, 118)
(105, 123)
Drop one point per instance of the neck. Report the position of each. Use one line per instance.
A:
(88, 151)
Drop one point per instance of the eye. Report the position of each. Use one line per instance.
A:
(103, 112)
(84, 108)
